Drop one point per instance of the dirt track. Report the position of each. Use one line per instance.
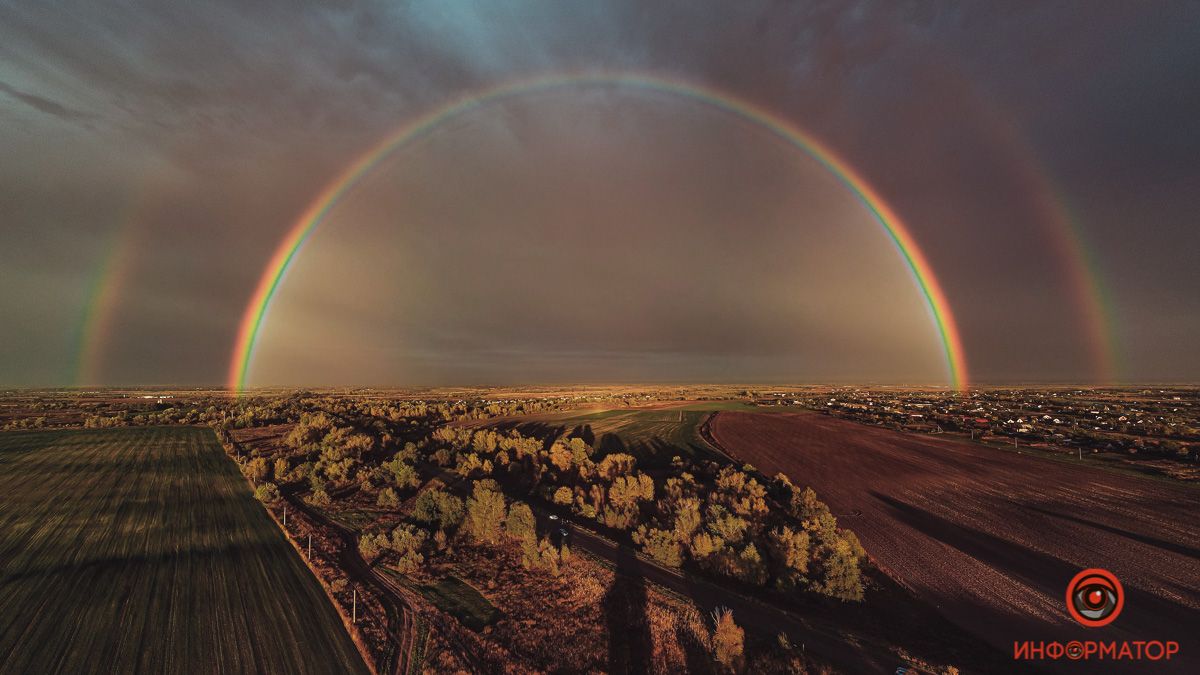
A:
(992, 537)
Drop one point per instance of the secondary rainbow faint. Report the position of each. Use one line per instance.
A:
(276, 269)
(99, 310)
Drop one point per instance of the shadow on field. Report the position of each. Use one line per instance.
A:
(585, 432)
(1140, 538)
(629, 648)
(1041, 571)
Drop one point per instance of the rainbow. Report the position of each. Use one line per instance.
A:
(1079, 262)
(275, 271)
(99, 309)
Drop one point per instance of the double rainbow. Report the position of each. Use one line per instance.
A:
(897, 231)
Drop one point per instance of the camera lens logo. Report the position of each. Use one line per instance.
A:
(1095, 597)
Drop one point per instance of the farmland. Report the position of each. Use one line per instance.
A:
(142, 550)
(991, 537)
(652, 433)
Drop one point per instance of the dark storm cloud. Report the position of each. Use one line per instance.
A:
(201, 130)
(45, 105)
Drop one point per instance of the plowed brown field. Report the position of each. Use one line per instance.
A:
(991, 537)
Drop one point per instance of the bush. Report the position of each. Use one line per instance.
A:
(281, 469)
(564, 496)
(371, 545)
(541, 556)
(256, 469)
(388, 499)
(318, 498)
(267, 493)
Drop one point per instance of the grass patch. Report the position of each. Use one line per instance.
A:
(459, 599)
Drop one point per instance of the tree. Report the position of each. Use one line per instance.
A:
(281, 469)
(564, 496)
(725, 525)
(687, 519)
(310, 429)
(728, 640)
(560, 457)
(750, 566)
(580, 450)
(541, 555)
(438, 507)
(660, 545)
(520, 524)
(616, 464)
(790, 551)
(388, 498)
(407, 540)
(805, 506)
(267, 493)
(371, 545)
(841, 578)
(256, 469)
(403, 474)
(485, 512)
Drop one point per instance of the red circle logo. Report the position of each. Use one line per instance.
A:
(1095, 597)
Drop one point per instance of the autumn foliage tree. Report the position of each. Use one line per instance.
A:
(728, 640)
(485, 512)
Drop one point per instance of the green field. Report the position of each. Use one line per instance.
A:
(142, 550)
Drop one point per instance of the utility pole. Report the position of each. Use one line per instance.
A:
(285, 517)
(310, 547)
(354, 611)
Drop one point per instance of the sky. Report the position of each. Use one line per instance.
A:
(1042, 155)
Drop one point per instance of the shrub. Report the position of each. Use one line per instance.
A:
(256, 469)
(371, 545)
(267, 493)
(541, 556)
(318, 498)
(388, 498)
(281, 469)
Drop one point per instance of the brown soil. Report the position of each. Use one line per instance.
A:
(992, 537)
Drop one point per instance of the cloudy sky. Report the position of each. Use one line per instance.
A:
(1043, 155)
